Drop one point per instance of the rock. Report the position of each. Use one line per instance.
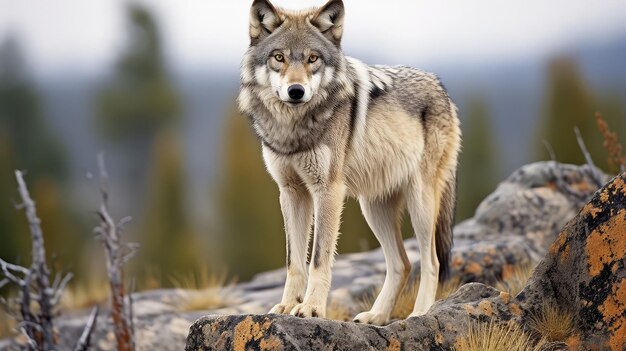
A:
(513, 226)
(583, 272)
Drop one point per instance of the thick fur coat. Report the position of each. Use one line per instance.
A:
(332, 126)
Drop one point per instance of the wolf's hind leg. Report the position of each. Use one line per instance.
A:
(383, 217)
(297, 207)
(421, 203)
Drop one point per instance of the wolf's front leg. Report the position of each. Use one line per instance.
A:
(297, 207)
(328, 201)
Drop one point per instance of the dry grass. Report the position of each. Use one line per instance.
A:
(552, 323)
(406, 300)
(495, 337)
(85, 295)
(616, 159)
(338, 312)
(203, 291)
(6, 325)
(517, 280)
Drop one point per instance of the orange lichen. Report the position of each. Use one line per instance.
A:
(505, 297)
(487, 260)
(604, 196)
(558, 243)
(507, 271)
(613, 310)
(619, 185)
(591, 210)
(470, 309)
(583, 187)
(607, 244)
(515, 309)
(564, 253)
(573, 342)
(439, 339)
(486, 308)
(474, 268)
(457, 261)
(394, 345)
(271, 343)
(248, 330)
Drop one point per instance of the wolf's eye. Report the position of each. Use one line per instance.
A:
(279, 57)
(313, 58)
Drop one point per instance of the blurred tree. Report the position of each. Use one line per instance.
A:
(27, 143)
(27, 132)
(479, 167)
(569, 103)
(13, 231)
(249, 212)
(251, 223)
(139, 100)
(168, 244)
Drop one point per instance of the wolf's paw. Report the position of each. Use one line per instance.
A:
(371, 318)
(281, 309)
(305, 310)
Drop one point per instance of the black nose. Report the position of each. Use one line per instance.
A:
(296, 91)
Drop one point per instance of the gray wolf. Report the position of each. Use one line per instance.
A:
(330, 127)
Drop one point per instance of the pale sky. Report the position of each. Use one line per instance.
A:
(208, 34)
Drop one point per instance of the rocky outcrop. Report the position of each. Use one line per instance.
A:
(583, 272)
(515, 225)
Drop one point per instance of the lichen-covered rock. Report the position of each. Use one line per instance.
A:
(584, 272)
(513, 226)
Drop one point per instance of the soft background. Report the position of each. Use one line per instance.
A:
(153, 83)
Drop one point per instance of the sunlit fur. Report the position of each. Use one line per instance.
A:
(388, 136)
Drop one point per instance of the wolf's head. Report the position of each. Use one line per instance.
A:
(293, 56)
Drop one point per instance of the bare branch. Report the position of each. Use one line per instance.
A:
(56, 282)
(27, 318)
(131, 316)
(110, 237)
(7, 269)
(583, 148)
(13, 267)
(42, 273)
(32, 344)
(549, 149)
(122, 223)
(132, 248)
(85, 338)
(60, 288)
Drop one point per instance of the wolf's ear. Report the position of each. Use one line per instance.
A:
(264, 20)
(329, 20)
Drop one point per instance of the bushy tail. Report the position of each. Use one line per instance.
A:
(445, 222)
